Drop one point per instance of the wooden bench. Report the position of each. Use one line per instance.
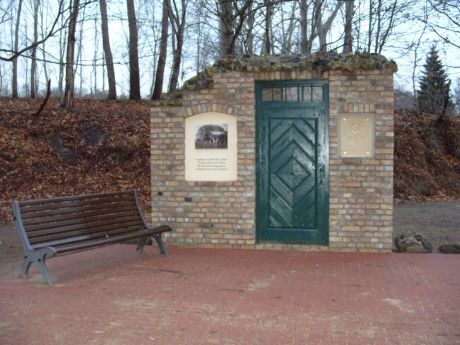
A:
(64, 225)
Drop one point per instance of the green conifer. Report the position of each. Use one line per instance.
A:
(434, 93)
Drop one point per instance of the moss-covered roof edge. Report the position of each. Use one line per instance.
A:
(319, 62)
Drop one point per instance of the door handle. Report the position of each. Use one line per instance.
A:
(322, 174)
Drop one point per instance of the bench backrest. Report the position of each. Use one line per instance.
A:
(53, 220)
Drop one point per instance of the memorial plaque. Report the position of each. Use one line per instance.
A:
(210, 147)
(356, 135)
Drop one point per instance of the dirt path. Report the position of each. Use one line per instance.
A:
(10, 250)
(439, 221)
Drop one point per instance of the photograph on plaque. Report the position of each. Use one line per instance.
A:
(211, 136)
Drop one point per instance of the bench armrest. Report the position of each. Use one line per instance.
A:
(160, 229)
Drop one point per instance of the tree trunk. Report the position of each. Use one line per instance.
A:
(62, 50)
(178, 23)
(324, 28)
(226, 27)
(177, 58)
(287, 36)
(250, 35)
(348, 39)
(107, 51)
(319, 25)
(267, 43)
(199, 36)
(79, 58)
(67, 101)
(379, 24)
(370, 25)
(392, 9)
(1, 81)
(14, 78)
(45, 69)
(134, 79)
(96, 43)
(159, 76)
(33, 57)
(303, 27)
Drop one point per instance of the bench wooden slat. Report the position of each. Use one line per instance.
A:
(74, 212)
(88, 236)
(84, 228)
(32, 230)
(103, 241)
(134, 225)
(59, 199)
(27, 209)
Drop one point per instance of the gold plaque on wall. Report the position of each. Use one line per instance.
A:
(356, 135)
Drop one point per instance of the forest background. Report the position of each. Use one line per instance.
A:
(126, 48)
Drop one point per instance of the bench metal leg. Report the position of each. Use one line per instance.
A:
(38, 257)
(161, 244)
(25, 267)
(140, 246)
(41, 262)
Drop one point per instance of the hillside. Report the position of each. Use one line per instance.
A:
(427, 157)
(103, 146)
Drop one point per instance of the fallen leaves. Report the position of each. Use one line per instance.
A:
(101, 146)
(427, 157)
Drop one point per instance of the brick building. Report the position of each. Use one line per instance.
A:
(278, 152)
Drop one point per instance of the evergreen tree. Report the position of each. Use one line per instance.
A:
(434, 93)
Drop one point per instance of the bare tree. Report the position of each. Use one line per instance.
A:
(444, 20)
(11, 54)
(231, 18)
(267, 42)
(6, 12)
(134, 79)
(324, 27)
(14, 78)
(307, 36)
(159, 76)
(107, 51)
(42, 33)
(199, 23)
(177, 17)
(348, 39)
(250, 30)
(33, 61)
(286, 44)
(95, 56)
(79, 57)
(226, 27)
(67, 101)
(385, 21)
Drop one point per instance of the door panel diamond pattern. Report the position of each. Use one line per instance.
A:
(292, 192)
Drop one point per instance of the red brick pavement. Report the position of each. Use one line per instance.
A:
(217, 296)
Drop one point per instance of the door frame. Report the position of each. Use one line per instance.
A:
(323, 155)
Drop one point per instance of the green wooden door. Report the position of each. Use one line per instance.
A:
(292, 161)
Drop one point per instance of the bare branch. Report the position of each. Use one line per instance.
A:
(51, 32)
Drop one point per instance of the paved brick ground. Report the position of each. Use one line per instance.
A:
(207, 296)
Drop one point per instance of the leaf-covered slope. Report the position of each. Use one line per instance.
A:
(100, 147)
(427, 157)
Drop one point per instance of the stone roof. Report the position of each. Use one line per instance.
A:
(320, 62)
